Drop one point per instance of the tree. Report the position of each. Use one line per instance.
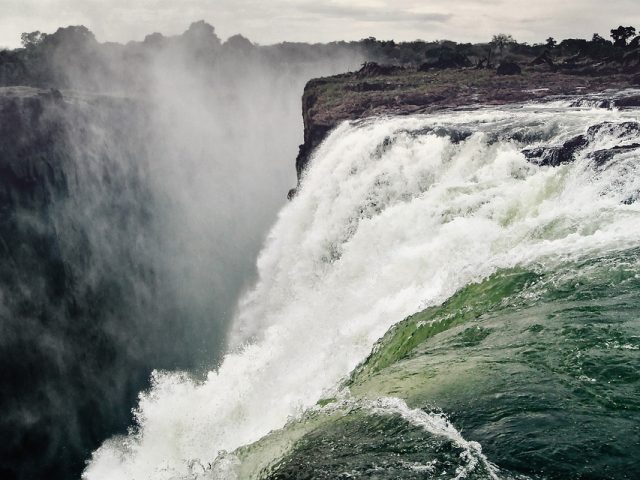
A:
(621, 34)
(201, 35)
(551, 43)
(598, 39)
(155, 39)
(32, 39)
(500, 42)
(239, 43)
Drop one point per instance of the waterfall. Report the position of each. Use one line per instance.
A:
(394, 215)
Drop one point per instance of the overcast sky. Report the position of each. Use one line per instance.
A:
(270, 21)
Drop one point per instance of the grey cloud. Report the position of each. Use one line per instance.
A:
(271, 21)
(386, 15)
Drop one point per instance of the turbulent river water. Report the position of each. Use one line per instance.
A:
(448, 296)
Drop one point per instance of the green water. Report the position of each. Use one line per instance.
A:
(541, 367)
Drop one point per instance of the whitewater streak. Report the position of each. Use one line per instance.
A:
(393, 216)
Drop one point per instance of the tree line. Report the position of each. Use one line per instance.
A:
(72, 53)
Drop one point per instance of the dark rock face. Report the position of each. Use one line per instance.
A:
(509, 68)
(314, 132)
(54, 347)
(84, 314)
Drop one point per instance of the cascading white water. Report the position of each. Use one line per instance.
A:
(391, 218)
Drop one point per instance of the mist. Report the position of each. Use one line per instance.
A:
(158, 168)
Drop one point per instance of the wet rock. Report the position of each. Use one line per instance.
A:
(555, 156)
(603, 157)
(627, 102)
(611, 129)
(559, 155)
(456, 135)
(591, 102)
(509, 68)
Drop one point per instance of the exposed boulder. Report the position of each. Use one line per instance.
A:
(605, 103)
(555, 156)
(602, 157)
(616, 130)
(509, 68)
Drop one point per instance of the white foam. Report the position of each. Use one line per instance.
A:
(375, 234)
(439, 425)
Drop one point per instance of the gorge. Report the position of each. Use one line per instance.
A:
(450, 292)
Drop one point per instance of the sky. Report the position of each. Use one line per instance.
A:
(272, 21)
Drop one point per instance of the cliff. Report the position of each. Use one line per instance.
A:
(382, 90)
(28, 127)
(72, 345)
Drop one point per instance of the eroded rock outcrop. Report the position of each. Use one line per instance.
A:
(326, 102)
